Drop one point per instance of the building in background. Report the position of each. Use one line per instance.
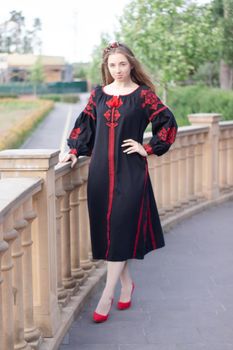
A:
(16, 67)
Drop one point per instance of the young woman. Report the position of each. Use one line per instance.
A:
(124, 220)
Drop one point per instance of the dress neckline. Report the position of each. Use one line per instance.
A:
(121, 95)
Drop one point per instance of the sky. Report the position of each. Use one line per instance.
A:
(70, 28)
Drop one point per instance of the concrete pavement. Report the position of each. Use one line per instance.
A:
(54, 129)
(183, 298)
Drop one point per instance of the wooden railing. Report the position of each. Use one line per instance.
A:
(46, 266)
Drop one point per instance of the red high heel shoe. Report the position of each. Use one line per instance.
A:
(101, 318)
(125, 305)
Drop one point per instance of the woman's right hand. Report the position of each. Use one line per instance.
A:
(71, 157)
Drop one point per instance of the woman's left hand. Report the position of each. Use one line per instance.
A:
(134, 147)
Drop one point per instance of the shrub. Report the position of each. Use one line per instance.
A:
(67, 98)
(199, 99)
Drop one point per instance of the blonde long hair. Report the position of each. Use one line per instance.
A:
(138, 75)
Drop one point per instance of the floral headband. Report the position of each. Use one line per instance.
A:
(111, 46)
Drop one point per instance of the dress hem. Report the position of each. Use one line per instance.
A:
(137, 257)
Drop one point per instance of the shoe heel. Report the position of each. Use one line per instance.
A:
(125, 305)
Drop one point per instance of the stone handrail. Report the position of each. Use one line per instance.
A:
(46, 267)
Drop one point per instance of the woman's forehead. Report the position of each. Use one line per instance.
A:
(117, 57)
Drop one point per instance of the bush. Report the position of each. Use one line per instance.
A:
(199, 99)
(67, 98)
(8, 96)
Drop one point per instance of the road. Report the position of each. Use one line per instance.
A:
(53, 131)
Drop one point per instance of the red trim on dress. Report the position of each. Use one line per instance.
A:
(145, 228)
(150, 224)
(89, 107)
(157, 112)
(111, 115)
(152, 101)
(140, 213)
(148, 148)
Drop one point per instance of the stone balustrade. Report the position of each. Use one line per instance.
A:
(46, 266)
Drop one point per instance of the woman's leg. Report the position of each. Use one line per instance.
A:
(126, 283)
(114, 269)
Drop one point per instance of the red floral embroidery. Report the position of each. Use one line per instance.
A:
(172, 135)
(150, 98)
(148, 148)
(162, 134)
(73, 151)
(115, 101)
(75, 133)
(153, 101)
(168, 135)
(90, 105)
(112, 115)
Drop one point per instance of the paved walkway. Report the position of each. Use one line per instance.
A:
(183, 299)
(56, 126)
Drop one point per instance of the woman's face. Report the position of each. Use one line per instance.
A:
(119, 67)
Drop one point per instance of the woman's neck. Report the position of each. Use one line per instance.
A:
(122, 84)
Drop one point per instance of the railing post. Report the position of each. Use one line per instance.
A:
(77, 272)
(210, 152)
(40, 163)
(86, 264)
(31, 333)
(17, 253)
(3, 247)
(8, 291)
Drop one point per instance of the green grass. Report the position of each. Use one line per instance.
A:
(11, 111)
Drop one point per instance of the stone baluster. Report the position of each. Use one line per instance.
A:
(63, 294)
(68, 281)
(166, 187)
(8, 290)
(17, 253)
(210, 151)
(190, 168)
(40, 162)
(86, 264)
(198, 166)
(77, 272)
(175, 178)
(183, 182)
(230, 158)
(3, 248)
(31, 333)
(223, 162)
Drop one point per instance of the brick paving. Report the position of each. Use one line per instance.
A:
(183, 298)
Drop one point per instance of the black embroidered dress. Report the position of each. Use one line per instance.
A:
(124, 220)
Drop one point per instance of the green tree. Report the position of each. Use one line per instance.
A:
(171, 38)
(223, 15)
(36, 75)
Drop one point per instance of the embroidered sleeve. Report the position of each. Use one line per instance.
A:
(164, 125)
(82, 136)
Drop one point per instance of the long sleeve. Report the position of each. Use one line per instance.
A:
(82, 136)
(164, 125)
